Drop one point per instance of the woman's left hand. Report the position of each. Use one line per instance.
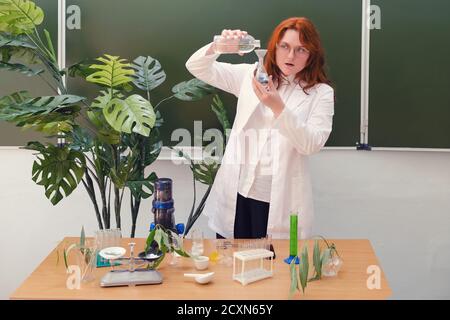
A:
(268, 95)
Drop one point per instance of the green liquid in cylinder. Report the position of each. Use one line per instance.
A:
(293, 236)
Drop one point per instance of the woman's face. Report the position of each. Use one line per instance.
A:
(291, 56)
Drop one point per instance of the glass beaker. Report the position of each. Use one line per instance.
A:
(197, 242)
(87, 260)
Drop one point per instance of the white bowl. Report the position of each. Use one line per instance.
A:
(201, 262)
(112, 253)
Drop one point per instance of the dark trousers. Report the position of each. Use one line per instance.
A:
(251, 218)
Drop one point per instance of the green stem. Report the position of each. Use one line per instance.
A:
(45, 49)
(91, 192)
(156, 107)
(117, 205)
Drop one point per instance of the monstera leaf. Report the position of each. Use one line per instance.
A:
(14, 98)
(105, 133)
(20, 68)
(134, 114)
(80, 69)
(59, 170)
(19, 47)
(205, 173)
(114, 72)
(41, 106)
(192, 90)
(105, 97)
(221, 113)
(137, 186)
(8, 40)
(148, 74)
(51, 124)
(80, 139)
(19, 16)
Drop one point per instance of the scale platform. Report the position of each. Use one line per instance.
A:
(118, 278)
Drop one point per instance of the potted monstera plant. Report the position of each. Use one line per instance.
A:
(109, 141)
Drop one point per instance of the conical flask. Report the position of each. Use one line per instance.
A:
(261, 73)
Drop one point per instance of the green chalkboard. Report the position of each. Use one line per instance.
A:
(171, 30)
(410, 75)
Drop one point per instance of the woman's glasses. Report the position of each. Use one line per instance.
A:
(284, 48)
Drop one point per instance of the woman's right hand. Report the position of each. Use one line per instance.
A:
(229, 41)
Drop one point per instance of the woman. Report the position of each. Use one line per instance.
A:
(264, 175)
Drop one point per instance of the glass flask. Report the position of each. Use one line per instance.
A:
(261, 73)
(245, 44)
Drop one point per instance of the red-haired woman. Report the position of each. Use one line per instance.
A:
(264, 176)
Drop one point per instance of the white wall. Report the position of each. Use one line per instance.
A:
(398, 200)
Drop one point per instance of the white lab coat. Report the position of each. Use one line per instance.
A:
(304, 126)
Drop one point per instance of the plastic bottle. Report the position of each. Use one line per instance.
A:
(245, 44)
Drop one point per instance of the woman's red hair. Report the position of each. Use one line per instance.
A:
(314, 72)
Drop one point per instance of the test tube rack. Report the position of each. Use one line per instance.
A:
(248, 276)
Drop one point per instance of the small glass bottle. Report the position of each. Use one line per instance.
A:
(245, 44)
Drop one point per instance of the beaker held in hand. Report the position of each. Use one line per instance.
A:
(261, 73)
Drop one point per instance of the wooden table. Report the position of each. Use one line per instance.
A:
(48, 281)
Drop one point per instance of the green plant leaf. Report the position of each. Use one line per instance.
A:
(82, 238)
(101, 102)
(134, 114)
(182, 253)
(80, 69)
(19, 16)
(120, 174)
(105, 132)
(19, 47)
(46, 125)
(219, 109)
(20, 68)
(41, 106)
(148, 74)
(158, 237)
(14, 98)
(113, 73)
(316, 259)
(66, 254)
(137, 186)
(150, 239)
(192, 90)
(159, 120)
(80, 139)
(304, 267)
(50, 45)
(35, 145)
(158, 262)
(57, 169)
(293, 270)
(205, 173)
(9, 40)
(165, 240)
